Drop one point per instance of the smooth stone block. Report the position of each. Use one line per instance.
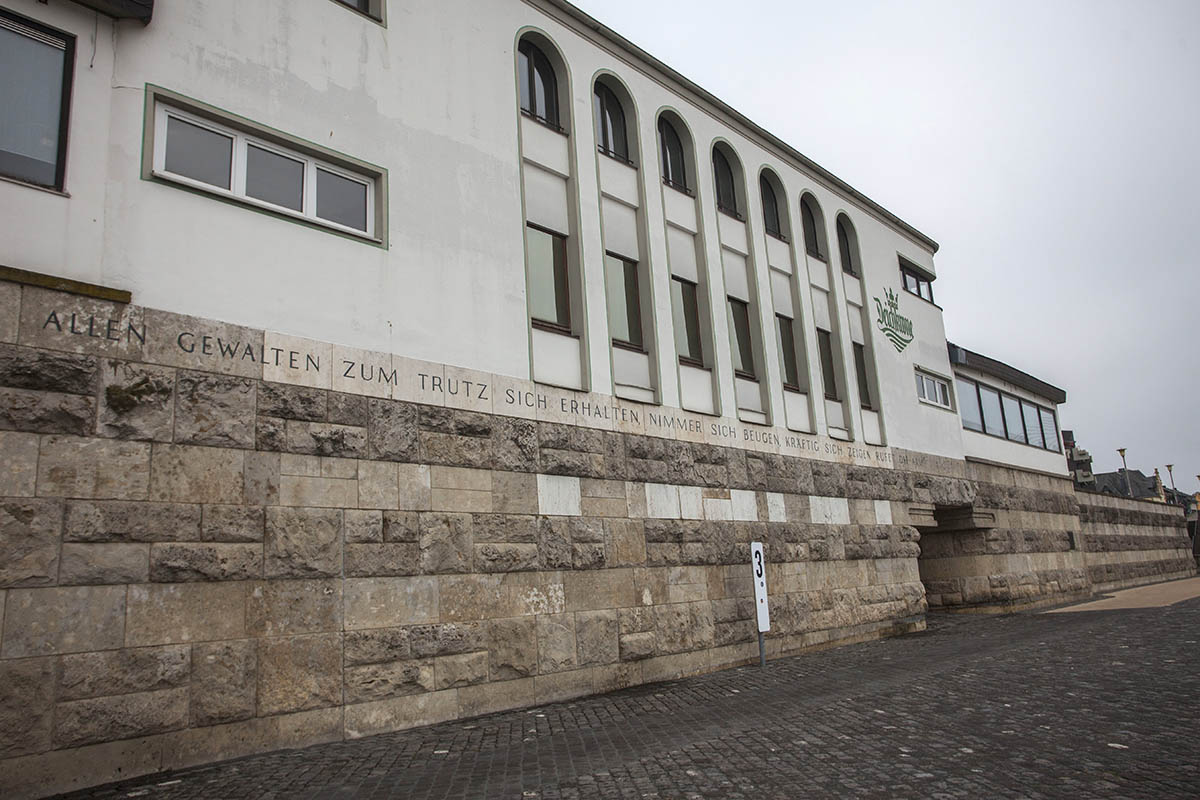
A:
(63, 620)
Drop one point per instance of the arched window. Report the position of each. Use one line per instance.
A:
(610, 123)
(673, 171)
(812, 236)
(539, 86)
(847, 246)
(726, 196)
(770, 208)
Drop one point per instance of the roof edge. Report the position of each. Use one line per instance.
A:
(960, 356)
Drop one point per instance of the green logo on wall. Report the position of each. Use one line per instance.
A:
(896, 327)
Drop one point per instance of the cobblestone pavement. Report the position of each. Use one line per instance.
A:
(1087, 705)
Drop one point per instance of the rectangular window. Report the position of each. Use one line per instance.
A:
(685, 310)
(968, 405)
(1050, 429)
(915, 282)
(36, 66)
(787, 352)
(372, 8)
(242, 165)
(828, 375)
(549, 295)
(931, 389)
(993, 415)
(1013, 423)
(624, 303)
(739, 331)
(860, 371)
(1033, 424)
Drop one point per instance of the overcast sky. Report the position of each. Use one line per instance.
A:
(1051, 148)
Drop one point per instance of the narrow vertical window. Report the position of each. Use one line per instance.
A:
(847, 247)
(1033, 424)
(726, 196)
(787, 352)
(828, 375)
(36, 66)
(860, 372)
(624, 304)
(1013, 423)
(549, 297)
(739, 331)
(673, 172)
(993, 413)
(808, 220)
(610, 123)
(539, 85)
(685, 310)
(770, 208)
(1050, 429)
(968, 405)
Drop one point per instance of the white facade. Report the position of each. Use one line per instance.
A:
(431, 101)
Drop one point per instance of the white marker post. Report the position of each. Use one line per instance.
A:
(759, 567)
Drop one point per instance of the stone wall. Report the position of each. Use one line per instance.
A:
(196, 566)
(1131, 542)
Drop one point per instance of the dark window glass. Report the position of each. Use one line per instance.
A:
(539, 86)
(35, 93)
(828, 376)
(685, 309)
(787, 352)
(916, 283)
(673, 171)
(845, 247)
(739, 329)
(361, 5)
(274, 178)
(726, 196)
(993, 416)
(1050, 429)
(199, 153)
(968, 405)
(610, 123)
(549, 298)
(341, 200)
(770, 208)
(1033, 424)
(1013, 423)
(808, 218)
(860, 371)
(624, 304)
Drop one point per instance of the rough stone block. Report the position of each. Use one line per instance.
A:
(176, 562)
(292, 402)
(18, 464)
(299, 673)
(47, 370)
(401, 526)
(348, 409)
(26, 706)
(637, 646)
(182, 473)
(45, 412)
(460, 670)
(389, 602)
(378, 485)
(121, 521)
(556, 645)
(63, 620)
(137, 401)
(443, 639)
(93, 468)
(303, 543)
(362, 527)
(446, 542)
(587, 556)
(391, 679)
(270, 433)
(506, 557)
(596, 637)
(126, 716)
(30, 532)
(10, 311)
(392, 430)
(224, 682)
(512, 648)
(626, 542)
(377, 645)
(111, 672)
(392, 558)
(326, 439)
(90, 564)
(232, 523)
(215, 410)
(505, 528)
(288, 608)
(184, 612)
(554, 543)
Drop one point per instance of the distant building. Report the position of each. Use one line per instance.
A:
(1079, 462)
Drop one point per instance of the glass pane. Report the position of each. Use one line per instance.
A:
(686, 313)
(31, 78)
(927, 290)
(1012, 418)
(198, 153)
(672, 149)
(547, 254)
(809, 220)
(523, 70)
(993, 419)
(828, 376)
(787, 351)
(844, 248)
(726, 198)
(910, 282)
(920, 386)
(1049, 428)
(770, 207)
(274, 178)
(860, 372)
(1033, 424)
(943, 393)
(341, 200)
(739, 329)
(968, 405)
(624, 314)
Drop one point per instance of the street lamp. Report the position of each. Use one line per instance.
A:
(1172, 476)
(1128, 485)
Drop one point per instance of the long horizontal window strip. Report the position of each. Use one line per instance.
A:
(985, 409)
(230, 162)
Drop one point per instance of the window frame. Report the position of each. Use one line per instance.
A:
(245, 136)
(553, 122)
(555, 326)
(376, 10)
(939, 381)
(862, 376)
(848, 247)
(787, 345)
(907, 270)
(688, 359)
(1021, 402)
(729, 210)
(743, 349)
(808, 220)
(828, 359)
(682, 184)
(633, 314)
(66, 42)
(602, 98)
(767, 190)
